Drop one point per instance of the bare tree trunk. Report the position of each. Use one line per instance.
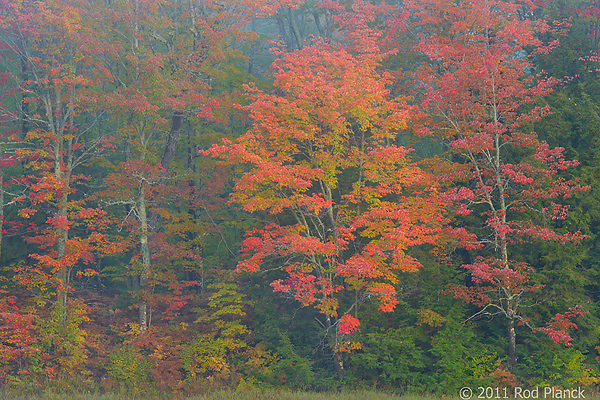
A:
(63, 272)
(25, 104)
(512, 344)
(145, 250)
(63, 234)
(282, 32)
(174, 135)
(149, 222)
(338, 360)
(317, 19)
(171, 146)
(294, 27)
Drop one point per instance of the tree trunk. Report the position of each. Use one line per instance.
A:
(145, 250)
(339, 364)
(24, 104)
(282, 32)
(318, 23)
(174, 135)
(294, 27)
(512, 344)
(166, 160)
(149, 221)
(63, 234)
(63, 272)
(338, 360)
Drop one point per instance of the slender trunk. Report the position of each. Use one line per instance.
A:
(145, 250)
(329, 197)
(64, 175)
(166, 160)
(251, 60)
(174, 135)
(338, 360)
(149, 222)
(195, 211)
(63, 234)
(512, 344)
(512, 340)
(63, 272)
(294, 27)
(282, 31)
(24, 104)
(339, 364)
(318, 23)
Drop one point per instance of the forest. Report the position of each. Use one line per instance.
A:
(244, 194)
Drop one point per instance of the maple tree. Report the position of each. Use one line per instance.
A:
(169, 55)
(346, 203)
(57, 62)
(16, 339)
(136, 186)
(318, 171)
(483, 94)
(7, 157)
(589, 11)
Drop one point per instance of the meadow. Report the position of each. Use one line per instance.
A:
(224, 395)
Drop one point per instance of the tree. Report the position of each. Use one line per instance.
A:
(589, 11)
(57, 60)
(8, 123)
(482, 91)
(169, 54)
(136, 186)
(344, 203)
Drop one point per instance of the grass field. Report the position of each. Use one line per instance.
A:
(251, 395)
(223, 395)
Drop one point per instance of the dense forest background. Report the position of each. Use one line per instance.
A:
(243, 193)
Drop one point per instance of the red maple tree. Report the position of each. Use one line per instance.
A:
(56, 59)
(482, 91)
(345, 202)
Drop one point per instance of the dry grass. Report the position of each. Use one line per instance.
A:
(221, 395)
(256, 394)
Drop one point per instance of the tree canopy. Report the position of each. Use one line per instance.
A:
(284, 193)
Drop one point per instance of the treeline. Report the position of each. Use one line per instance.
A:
(203, 194)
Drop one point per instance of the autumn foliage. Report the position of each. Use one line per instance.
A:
(484, 94)
(279, 193)
(333, 114)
